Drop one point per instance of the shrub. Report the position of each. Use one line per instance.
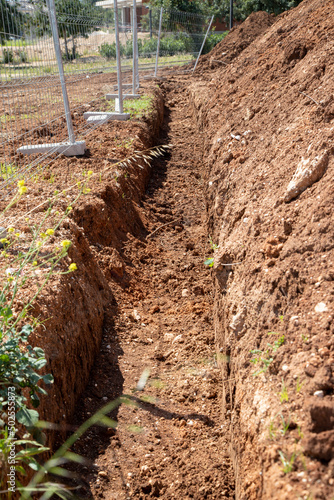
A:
(23, 56)
(108, 50)
(7, 56)
(213, 40)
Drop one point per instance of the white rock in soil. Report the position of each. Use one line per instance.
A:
(320, 307)
(168, 337)
(319, 394)
(177, 339)
(185, 292)
(136, 316)
(306, 174)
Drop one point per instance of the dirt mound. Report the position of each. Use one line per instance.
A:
(269, 122)
(237, 40)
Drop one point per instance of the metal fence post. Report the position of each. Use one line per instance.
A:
(73, 147)
(118, 59)
(231, 14)
(135, 83)
(56, 42)
(206, 36)
(158, 45)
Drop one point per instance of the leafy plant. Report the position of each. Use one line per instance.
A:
(23, 57)
(108, 50)
(265, 358)
(19, 365)
(7, 56)
(210, 261)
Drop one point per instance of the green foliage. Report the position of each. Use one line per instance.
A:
(10, 21)
(264, 358)
(23, 56)
(108, 50)
(288, 463)
(7, 56)
(212, 40)
(284, 396)
(169, 45)
(19, 364)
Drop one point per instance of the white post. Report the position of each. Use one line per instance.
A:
(55, 36)
(118, 59)
(206, 36)
(158, 46)
(73, 147)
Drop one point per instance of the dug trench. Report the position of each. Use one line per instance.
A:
(239, 402)
(172, 442)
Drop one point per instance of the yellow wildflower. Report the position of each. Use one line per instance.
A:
(20, 183)
(66, 244)
(90, 173)
(72, 267)
(10, 230)
(35, 263)
(50, 232)
(22, 190)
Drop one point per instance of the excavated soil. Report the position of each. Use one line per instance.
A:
(170, 445)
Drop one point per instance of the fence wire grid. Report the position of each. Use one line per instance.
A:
(32, 104)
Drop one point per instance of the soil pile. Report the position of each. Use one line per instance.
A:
(237, 40)
(269, 124)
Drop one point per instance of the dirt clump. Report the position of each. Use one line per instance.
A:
(237, 40)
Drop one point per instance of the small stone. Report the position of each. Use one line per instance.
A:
(135, 315)
(168, 337)
(320, 307)
(144, 470)
(178, 338)
(319, 394)
(285, 368)
(103, 473)
(185, 292)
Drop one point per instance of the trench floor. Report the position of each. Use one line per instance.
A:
(170, 443)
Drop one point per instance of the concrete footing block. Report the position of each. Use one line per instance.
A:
(109, 97)
(99, 118)
(77, 148)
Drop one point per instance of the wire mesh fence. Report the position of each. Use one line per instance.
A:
(32, 94)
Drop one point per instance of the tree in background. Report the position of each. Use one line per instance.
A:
(11, 21)
(221, 8)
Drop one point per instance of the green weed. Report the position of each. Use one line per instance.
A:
(288, 463)
(284, 396)
(265, 358)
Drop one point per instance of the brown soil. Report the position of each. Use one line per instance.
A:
(238, 39)
(215, 420)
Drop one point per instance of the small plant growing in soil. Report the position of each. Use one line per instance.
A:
(284, 396)
(285, 425)
(288, 463)
(265, 358)
(210, 261)
(299, 385)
